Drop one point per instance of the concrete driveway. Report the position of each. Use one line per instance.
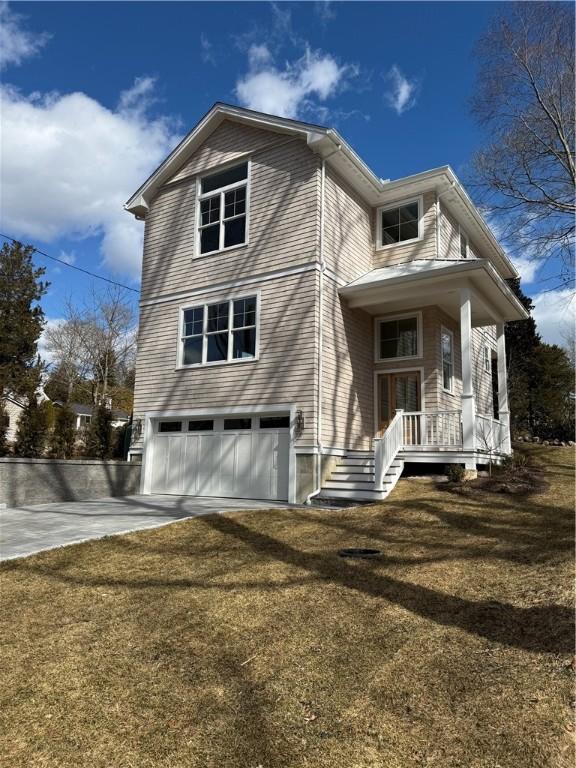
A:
(26, 530)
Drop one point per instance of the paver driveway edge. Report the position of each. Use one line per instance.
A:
(26, 531)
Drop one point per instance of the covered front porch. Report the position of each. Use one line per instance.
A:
(456, 425)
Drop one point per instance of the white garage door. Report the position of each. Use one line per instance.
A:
(237, 457)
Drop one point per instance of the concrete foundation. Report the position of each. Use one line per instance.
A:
(306, 464)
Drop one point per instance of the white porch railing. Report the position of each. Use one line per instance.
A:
(491, 435)
(386, 449)
(437, 429)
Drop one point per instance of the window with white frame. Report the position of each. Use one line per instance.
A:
(447, 353)
(398, 337)
(487, 359)
(222, 199)
(221, 332)
(399, 223)
(463, 245)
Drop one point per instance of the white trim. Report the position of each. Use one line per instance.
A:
(151, 417)
(230, 361)
(419, 199)
(438, 218)
(450, 333)
(312, 450)
(231, 284)
(384, 371)
(487, 357)
(221, 191)
(390, 318)
(462, 234)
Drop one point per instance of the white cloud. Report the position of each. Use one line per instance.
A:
(67, 258)
(402, 93)
(554, 311)
(207, 50)
(70, 164)
(527, 267)
(325, 10)
(51, 322)
(16, 44)
(296, 88)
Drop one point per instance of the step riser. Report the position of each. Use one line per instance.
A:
(352, 469)
(354, 477)
(334, 493)
(365, 477)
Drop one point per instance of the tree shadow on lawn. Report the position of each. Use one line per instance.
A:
(546, 628)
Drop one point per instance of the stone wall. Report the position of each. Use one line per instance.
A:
(40, 481)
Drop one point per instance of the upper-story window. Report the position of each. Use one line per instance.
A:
(398, 337)
(222, 332)
(399, 223)
(223, 202)
(463, 245)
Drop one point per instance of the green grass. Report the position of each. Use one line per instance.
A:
(243, 640)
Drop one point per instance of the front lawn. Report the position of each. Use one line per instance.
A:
(243, 640)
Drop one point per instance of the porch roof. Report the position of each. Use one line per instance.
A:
(423, 282)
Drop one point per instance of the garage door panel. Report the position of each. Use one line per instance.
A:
(208, 462)
(247, 464)
(174, 464)
(190, 466)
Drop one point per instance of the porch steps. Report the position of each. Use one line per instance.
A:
(353, 478)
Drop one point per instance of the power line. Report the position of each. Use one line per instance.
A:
(72, 266)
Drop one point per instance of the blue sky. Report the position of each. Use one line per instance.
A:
(96, 94)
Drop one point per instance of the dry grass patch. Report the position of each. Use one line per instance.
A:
(243, 640)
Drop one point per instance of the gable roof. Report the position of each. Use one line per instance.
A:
(330, 146)
(82, 409)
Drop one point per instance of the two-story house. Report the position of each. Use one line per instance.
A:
(307, 327)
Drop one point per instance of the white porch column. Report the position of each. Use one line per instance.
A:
(468, 403)
(503, 411)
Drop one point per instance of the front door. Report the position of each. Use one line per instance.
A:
(397, 390)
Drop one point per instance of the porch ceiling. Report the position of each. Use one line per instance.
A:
(425, 282)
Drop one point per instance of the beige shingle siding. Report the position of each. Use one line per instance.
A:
(230, 141)
(423, 249)
(284, 373)
(347, 393)
(348, 226)
(450, 237)
(283, 221)
(482, 380)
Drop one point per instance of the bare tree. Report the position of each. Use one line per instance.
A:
(96, 341)
(524, 97)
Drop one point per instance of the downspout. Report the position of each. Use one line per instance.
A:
(320, 338)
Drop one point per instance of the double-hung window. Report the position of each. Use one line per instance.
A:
(399, 223)
(223, 202)
(222, 332)
(398, 337)
(447, 352)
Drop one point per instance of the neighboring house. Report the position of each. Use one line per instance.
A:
(307, 327)
(14, 405)
(84, 412)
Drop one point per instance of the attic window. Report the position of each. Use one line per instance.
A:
(399, 223)
(223, 199)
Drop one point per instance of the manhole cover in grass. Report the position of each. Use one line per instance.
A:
(359, 552)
